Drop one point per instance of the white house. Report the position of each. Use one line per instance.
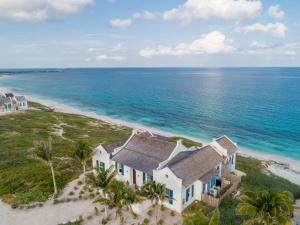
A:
(187, 173)
(9, 102)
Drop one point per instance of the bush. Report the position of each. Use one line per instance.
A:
(104, 221)
(149, 212)
(160, 222)
(91, 195)
(14, 205)
(79, 182)
(71, 193)
(172, 213)
(146, 221)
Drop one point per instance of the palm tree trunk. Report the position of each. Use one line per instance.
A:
(156, 214)
(83, 165)
(53, 178)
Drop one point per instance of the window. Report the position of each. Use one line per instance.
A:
(169, 193)
(203, 188)
(187, 194)
(102, 165)
(120, 168)
(147, 177)
(232, 159)
(193, 191)
(97, 163)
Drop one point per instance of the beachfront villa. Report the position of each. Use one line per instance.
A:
(189, 174)
(10, 103)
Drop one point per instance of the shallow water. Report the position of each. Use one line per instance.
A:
(257, 107)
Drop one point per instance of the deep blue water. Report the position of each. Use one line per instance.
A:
(257, 107)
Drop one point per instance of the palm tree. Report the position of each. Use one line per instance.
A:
(199, 218)
(44, 152)
(102, 179)
(119, 196)
(83, 153)
(266, 207)
(156, 192)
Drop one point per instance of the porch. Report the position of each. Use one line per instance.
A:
(216, 194)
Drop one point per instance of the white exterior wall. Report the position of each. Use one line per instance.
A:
(102, 156)
(166, 176)
(22, 105)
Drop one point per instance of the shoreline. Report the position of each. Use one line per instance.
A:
(279, 165)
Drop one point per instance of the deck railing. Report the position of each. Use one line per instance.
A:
(215, 201)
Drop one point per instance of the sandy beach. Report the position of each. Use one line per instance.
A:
(279, 165)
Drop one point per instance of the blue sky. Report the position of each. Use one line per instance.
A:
(121, 33)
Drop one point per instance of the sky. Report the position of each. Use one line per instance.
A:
(149, 33)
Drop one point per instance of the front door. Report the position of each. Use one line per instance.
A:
(134, 177)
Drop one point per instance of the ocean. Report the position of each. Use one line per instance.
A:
(259, 108)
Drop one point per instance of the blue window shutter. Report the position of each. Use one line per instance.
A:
(203, 188)
(122, 168)
(151, 178)
(193, 190)
(97, 163)
(171, 197)
(187, 194)
(144, 177)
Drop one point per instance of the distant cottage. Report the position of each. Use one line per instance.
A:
(10, 103)
(189, 174)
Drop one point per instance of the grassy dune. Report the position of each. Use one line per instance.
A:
(23, 177)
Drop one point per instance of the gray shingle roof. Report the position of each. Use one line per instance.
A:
(110, 147)
(9, 95)
(5, 100)
(144, 152)
(226, 143)
(191, 166)
(21, 98)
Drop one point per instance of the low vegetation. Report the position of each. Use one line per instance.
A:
(186, 142)
(24, 177)
(259, 179)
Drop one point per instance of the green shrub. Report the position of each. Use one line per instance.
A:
(149, 212)
(104, 221)
(172, 213)
(160, 222)
(146, 221)
(71, 193)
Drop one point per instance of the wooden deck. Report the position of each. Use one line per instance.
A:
(214, 201)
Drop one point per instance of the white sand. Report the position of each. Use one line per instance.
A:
(53, 214)
(280, 165)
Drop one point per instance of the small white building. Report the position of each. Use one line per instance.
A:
(10, 103)
(187, 173)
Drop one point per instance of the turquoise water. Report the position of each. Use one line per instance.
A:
(257, 107)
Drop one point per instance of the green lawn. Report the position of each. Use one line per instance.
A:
(24, 178)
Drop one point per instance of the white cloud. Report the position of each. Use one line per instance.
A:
(276, 29)
(118, 58)
(221, 9)
(39, 10)
(120, 22)
(258, 45)
(117, 48)
(107, 57)
(290, 53)
(145, 15)
(275, 12)
(101, 57)
(211, 43)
